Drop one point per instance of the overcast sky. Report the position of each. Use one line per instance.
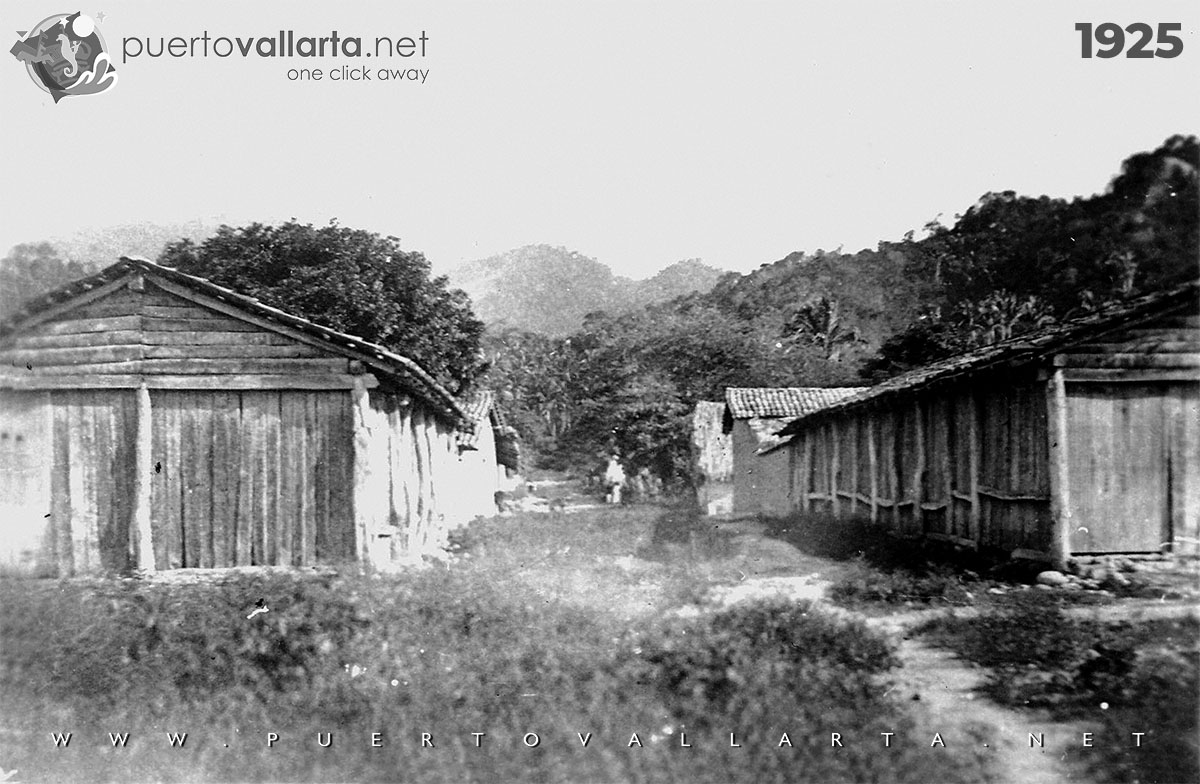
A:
(638, 133)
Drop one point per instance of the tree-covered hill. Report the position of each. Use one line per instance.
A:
(1008, 264)
(549, 290)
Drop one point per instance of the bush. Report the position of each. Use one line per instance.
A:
(900, 586)
(448, 652)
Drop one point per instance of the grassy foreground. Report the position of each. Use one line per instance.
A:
(549, 626)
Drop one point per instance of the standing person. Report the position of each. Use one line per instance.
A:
(614, 477)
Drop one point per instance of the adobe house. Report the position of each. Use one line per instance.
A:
(1079, 439)
(487, 457)
(151, 419)
(751, 419)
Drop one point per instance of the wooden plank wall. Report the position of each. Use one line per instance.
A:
(156, 332)
(957, 463)
(252, 477)
(1169, 344)
(1132, 399)
(91, 480)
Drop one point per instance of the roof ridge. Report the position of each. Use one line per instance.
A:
(400, 364)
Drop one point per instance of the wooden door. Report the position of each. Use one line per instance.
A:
(1132, 450)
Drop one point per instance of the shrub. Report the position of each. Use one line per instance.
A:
(450, 651)
(863, 583)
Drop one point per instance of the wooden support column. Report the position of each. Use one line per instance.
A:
(973, 465)
(1060, 486)
(873, 463)
(834, 449)
(791, 474)
(852, 432)
(948, 409)
(919, 470)
(893, 475)
(806, 469)
(143, 462)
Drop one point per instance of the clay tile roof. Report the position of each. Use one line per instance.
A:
(481, 412)
(782, 402)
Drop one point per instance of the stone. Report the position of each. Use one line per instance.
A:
(1051, 578)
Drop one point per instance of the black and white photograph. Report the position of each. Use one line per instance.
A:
(618, 392)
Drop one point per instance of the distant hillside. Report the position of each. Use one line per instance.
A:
(546, 289)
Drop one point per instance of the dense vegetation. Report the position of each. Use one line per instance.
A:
(1007, 265)
(476, 647)
(352, 280)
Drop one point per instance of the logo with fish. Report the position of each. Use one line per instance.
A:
(65, 55)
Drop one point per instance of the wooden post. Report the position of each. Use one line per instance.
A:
(947, 410)
(806, 483)
(791, 474)
(833, 465)
(873, 463)
(855, 425)
(973, 464)
(893, 474)
(919, 469)
(1060, 485)
(143, 462)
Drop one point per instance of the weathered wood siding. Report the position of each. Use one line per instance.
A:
(961, 463)
(1095, 449)
(156, 332)
(1131, 465)
(1132, 462)
(91, 480)
(231, 439)
(252, 477)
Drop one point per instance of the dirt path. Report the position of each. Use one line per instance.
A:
(945, 692)
(949, 701)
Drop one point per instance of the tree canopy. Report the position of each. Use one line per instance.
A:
(1009, 264)
(351, 280)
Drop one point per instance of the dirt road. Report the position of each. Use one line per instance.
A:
(736, 562)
